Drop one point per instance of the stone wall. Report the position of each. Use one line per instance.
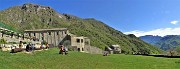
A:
(8, 38)
(7, 47)
(92, 50)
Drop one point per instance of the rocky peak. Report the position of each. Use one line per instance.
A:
(28, 7)
(39, 10)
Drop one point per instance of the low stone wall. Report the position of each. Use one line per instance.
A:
(92, 50)
(10, 45)
(7, 47)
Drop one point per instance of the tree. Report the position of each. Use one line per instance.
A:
(3, 32)
(177, 49)
(172, 52)
(2, 41)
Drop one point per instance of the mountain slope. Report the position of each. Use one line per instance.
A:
(32, 16)
(164, 43)
(169, 42)
(7, 27)
(151, 39)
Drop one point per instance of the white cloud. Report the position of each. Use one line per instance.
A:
(159, 32)
(174, 22)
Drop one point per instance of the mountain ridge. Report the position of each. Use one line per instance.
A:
(165, 43)
(151, 39)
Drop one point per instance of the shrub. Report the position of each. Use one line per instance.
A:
(2, 41)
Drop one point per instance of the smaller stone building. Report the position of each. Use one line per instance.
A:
(79, 43)
(113, 49)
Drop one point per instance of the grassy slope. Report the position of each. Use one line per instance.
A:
(75, 60)
(102, 35)
(7, 27)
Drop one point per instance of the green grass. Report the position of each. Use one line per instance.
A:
(50, 59)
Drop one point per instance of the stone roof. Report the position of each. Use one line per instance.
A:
(40, 30)
(109, 48)
(115, 45)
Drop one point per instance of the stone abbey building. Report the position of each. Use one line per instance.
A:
(57, 36)
(51, 36)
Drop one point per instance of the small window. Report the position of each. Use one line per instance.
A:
(65, 32)
(49, 33)
(42, 38)
(82, 49)
(78, 40)
(57, 33)
(78, 49)
(34, 34)
(81, 40)
(29, 34)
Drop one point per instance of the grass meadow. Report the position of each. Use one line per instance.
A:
(50, 59)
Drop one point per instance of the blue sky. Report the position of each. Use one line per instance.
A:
(140, 17)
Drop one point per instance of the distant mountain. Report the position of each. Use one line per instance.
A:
(32, 16)
(164, 43)
(169, 42)
(151, 39)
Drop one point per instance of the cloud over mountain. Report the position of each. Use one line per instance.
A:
(159, 32)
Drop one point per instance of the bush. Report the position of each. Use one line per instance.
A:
(2, 41)
(24, 42)
(12, 43)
